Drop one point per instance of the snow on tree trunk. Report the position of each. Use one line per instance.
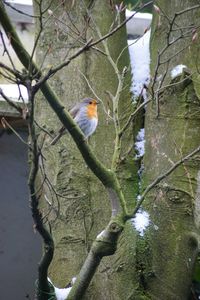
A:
(169, 249)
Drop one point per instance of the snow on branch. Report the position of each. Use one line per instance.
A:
(177, 70)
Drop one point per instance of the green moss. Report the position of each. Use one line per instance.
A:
(169, 137)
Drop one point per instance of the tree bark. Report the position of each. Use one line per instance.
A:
(85, 208)
(172, 126)
(160, 266)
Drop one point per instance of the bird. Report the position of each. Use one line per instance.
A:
(85, 115)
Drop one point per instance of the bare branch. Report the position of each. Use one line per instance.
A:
(52, 71)
(120, 26)
(133, 115)
(104, 245)
(161, 177)
(18, 10)
(6, 124)
(6, 50)
(89, 44)
(10, 102)
(43, 288)
(106, 176)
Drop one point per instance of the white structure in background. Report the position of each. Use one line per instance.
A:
(24, 26)
(138, 24)
(12, 91)
(22, 5)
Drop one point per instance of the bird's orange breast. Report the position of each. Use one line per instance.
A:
(92, 111)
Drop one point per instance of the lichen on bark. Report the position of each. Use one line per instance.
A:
(85, 208)
(170, 134)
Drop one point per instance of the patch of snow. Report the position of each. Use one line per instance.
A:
(140, 143)
(178, 70)
(61, 294)
(12, 92)
(73, 280)
(140, 61)
(141, 221)
(140, 135)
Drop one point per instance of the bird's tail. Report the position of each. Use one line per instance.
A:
(58, 136)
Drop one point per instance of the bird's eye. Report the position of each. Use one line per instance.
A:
(90, 102)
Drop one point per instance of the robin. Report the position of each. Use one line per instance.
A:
(85, 115)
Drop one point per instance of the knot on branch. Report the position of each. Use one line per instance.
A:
(193, 240)
(49, 246)
(106, 242)
(115, 228)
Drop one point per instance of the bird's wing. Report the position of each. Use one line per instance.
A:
(74, 110)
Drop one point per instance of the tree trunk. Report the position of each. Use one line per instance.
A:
(84, 208)
(172, 131)
(161, 265)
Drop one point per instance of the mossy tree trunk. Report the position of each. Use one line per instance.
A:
(85, 208)
(172, 127)
(161, 264)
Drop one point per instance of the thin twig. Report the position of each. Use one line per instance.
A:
(161, 177)
(133, 115)
(6, 124)
(10, 102)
